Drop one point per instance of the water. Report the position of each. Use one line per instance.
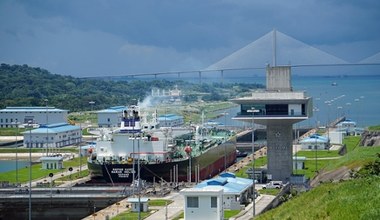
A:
(356, 97)
(8, 165)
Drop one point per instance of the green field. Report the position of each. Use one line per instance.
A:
(319, 153)
(352, 199)
(37, 172)
(258, 163)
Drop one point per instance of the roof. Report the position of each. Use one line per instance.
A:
(228, 182)
(51, 158)
(32, 109)
(114, 109)
(299, 158)
(311, 140)
(135, 200)
(53, 128)
(169, 117)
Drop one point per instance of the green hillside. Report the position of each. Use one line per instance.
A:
(21, 85)
(352, 199)
(357, 198)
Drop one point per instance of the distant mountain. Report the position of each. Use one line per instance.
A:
(21, 85)
(29, 86)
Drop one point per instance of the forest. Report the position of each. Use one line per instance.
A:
(21, 85)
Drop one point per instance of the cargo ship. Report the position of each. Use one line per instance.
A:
(168, 154)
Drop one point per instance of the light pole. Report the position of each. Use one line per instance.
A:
(225, 137)
(138, 175)
(47, 129)
(316, 156)
(16, 154)
(253, 111)
(30, 126)
(92, 103)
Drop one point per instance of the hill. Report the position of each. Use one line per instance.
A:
(21, 85)
(351, 199)
(355, 198)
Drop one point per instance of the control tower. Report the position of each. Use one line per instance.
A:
(278, 107)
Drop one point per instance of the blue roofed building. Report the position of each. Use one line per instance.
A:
(53, 136)
(236, 190)
(170, 120)
(315, 142)
(111, 117)
(13, 116)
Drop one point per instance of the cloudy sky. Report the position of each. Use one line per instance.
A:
(120, 37)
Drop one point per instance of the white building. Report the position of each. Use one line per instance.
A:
(110, 117)
(53, 135)
(10, 116)
(299, 163)
(170, 120)
(203, 203)
(315, 142)
(52, 163)
(135, 204)
(236, 190)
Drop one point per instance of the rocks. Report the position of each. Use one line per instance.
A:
(370, 138)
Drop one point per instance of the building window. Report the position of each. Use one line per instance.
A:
(192, 202)
(214, 202)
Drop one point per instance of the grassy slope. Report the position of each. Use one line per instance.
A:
(353, 199)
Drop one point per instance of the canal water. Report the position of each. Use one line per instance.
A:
(8, 165)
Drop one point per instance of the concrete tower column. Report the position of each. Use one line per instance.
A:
(280, 150)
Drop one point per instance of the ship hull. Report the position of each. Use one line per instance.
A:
(204, 166)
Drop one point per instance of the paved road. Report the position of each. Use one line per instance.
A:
(261, 202)
(172, 210)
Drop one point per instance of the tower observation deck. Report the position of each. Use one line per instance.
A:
(278, 107)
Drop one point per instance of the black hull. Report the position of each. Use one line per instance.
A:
(210, 164)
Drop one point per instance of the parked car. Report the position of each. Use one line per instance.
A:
(273, 185)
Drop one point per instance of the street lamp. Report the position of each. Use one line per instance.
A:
(30, 126)
(138, 175)
(47, 129)
(16, 153)
(253, 111)
(225, 139)
(92, 103)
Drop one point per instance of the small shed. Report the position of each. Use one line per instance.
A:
(135, 204)
(203, 203)
(52, 163)
(299, 163)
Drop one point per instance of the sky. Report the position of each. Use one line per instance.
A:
(120, 37)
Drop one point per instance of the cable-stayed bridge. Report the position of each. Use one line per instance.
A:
(274, 48)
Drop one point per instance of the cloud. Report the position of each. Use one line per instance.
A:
(98, 37)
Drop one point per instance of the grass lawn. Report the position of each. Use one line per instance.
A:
(128, 215)
(230, 213)
(320, 153)
(258, 163)
(12, 131)
(37, 172)
(37, 150)
(272, 192)
(159, 202)
(227, 214)
(351, 199)
(374, 128)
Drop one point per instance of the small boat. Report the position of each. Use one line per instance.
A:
(334, 84)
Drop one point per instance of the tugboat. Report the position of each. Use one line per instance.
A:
(163, 153)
